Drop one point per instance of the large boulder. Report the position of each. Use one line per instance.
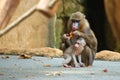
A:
(107, 55)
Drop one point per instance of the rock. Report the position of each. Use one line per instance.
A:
(24, 56)
(27, 53)
(107, 55)
(47, 51)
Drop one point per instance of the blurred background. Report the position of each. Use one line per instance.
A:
(37, 31)
(103, 16)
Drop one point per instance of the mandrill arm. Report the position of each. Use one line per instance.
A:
(85, 36)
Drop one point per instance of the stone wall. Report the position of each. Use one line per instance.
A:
(30, 33)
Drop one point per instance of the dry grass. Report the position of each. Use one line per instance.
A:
(45, 51)
(107, 55)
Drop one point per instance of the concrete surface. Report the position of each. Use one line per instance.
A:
(44, 68)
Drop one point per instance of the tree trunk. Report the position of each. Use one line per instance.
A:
(113, 15)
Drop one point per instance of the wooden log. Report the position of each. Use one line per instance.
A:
(13, 24)
(48, 7)
(7, 8)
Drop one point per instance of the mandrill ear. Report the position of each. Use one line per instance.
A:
(84, 16)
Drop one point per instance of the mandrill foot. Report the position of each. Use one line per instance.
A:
(67, 66)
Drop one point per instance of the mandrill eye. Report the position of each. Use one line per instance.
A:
(77, 43)
(77, 20)
(73, 20)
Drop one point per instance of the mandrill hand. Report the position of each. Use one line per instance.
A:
(76, 33)
(65, 36)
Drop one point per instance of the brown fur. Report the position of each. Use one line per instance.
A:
(73, 50)
(85, 31)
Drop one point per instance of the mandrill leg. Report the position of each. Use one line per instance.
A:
(67, 61)
(87, 56)
(80, 61)
(75, 60)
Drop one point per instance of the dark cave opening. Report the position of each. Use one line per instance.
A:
(95, 14)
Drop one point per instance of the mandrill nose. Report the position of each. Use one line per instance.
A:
(74, 28)
(75, 25)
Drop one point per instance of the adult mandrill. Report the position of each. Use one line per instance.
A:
(80, 26)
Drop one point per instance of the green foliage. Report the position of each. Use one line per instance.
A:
(66, 9)
(69, 6)
(58, 32)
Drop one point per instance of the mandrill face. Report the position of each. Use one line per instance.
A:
(75, 20)
(75, 24)
(80, 43)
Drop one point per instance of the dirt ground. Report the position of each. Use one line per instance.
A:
(46, 68)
